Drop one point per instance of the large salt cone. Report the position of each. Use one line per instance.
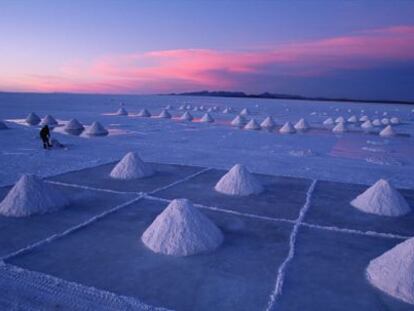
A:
(252, 125)
(131, 167)
(287, 128)
(96, 129)
(238, 181)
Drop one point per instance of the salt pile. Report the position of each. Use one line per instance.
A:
(226, 110)
(196, 108)
(186, 116)
(339, 128)
(49, 120)
(164, 114)
(73, 125)
(3, 125)
(188, 107)
(252, 125)
(207, 118)
(245, 112)
(381, 199)
(302, 125)
(367, 124)
(121, 112)
(385, 121)
(393, 271)
(210, 109)
(182, 107)
(96, 129)
(340, 120)
(352, 119)
(376, 122)
(287, 128)
(130, 167)
(29, 196)
(363, 118)
(182, 230)
(33, 119)
(329, 121)
(238, 121)
(238, 181)
(395, 120)
(144, 113)
(387, 132)
(268, 123)
(169, 107)
(202, 108)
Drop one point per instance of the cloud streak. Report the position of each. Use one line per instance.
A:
(194, 69)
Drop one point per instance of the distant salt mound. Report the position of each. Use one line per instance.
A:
(49, 120)
(164, 114)
(252, 125)
(302, 125)
(329, 121)
(387, 132)
(268, 123)
(239, 121)
(385, 121)
(340, 120)
(131, 167)
(340, 128)
(96, 129)
(238, 181)
(287, 128)
(381, 199)
(207, 118)
(144, 113)
(182, 107)
(33, 119)
(3, 126)
(169, 107)
(353, 119)
(376, 122)
(367, 125)
(363, 118)
(393, 271)
(30, 196)
(73, 125)
(188, 107)
(226, 110)
(395, 120)
(182, 230)
(186, 116)
(196, 109)
(245, 112)
(385, 113)
(121, 112)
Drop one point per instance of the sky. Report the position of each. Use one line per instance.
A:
(333, 48)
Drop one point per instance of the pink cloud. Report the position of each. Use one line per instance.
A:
(185, 69)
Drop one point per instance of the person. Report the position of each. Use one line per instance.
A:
(45, 135)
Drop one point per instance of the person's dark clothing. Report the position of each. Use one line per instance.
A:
(45, 135)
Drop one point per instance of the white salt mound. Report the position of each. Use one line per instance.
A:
(169, 107)
(182, 230)
(33, 119)
(165, 114)
(3, 125)
(376, 122)
(188, 107)
(382, 199)
(238, 121)
(144, 113)
(339, 128)
(395, 120)
(287, 128)
(96, 129)
(207, 118)
(268, 123)
(186, 116)
(121, 112)
(252, 125)
(329, 121)
(29, 196)
(302, 125)
(387, 132)
(195, 108)
(226, 110)
(245, 112)
(238, 181)
(182, 107)
(363, 118)
(367, 124)
(385, 121)
(72, 125)
(131, 167)
(340, 120)
(393, 271)
(352, 119)
(49, 120)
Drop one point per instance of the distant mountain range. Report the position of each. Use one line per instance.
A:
(287, 96)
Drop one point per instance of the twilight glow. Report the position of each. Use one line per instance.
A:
(358, 50)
